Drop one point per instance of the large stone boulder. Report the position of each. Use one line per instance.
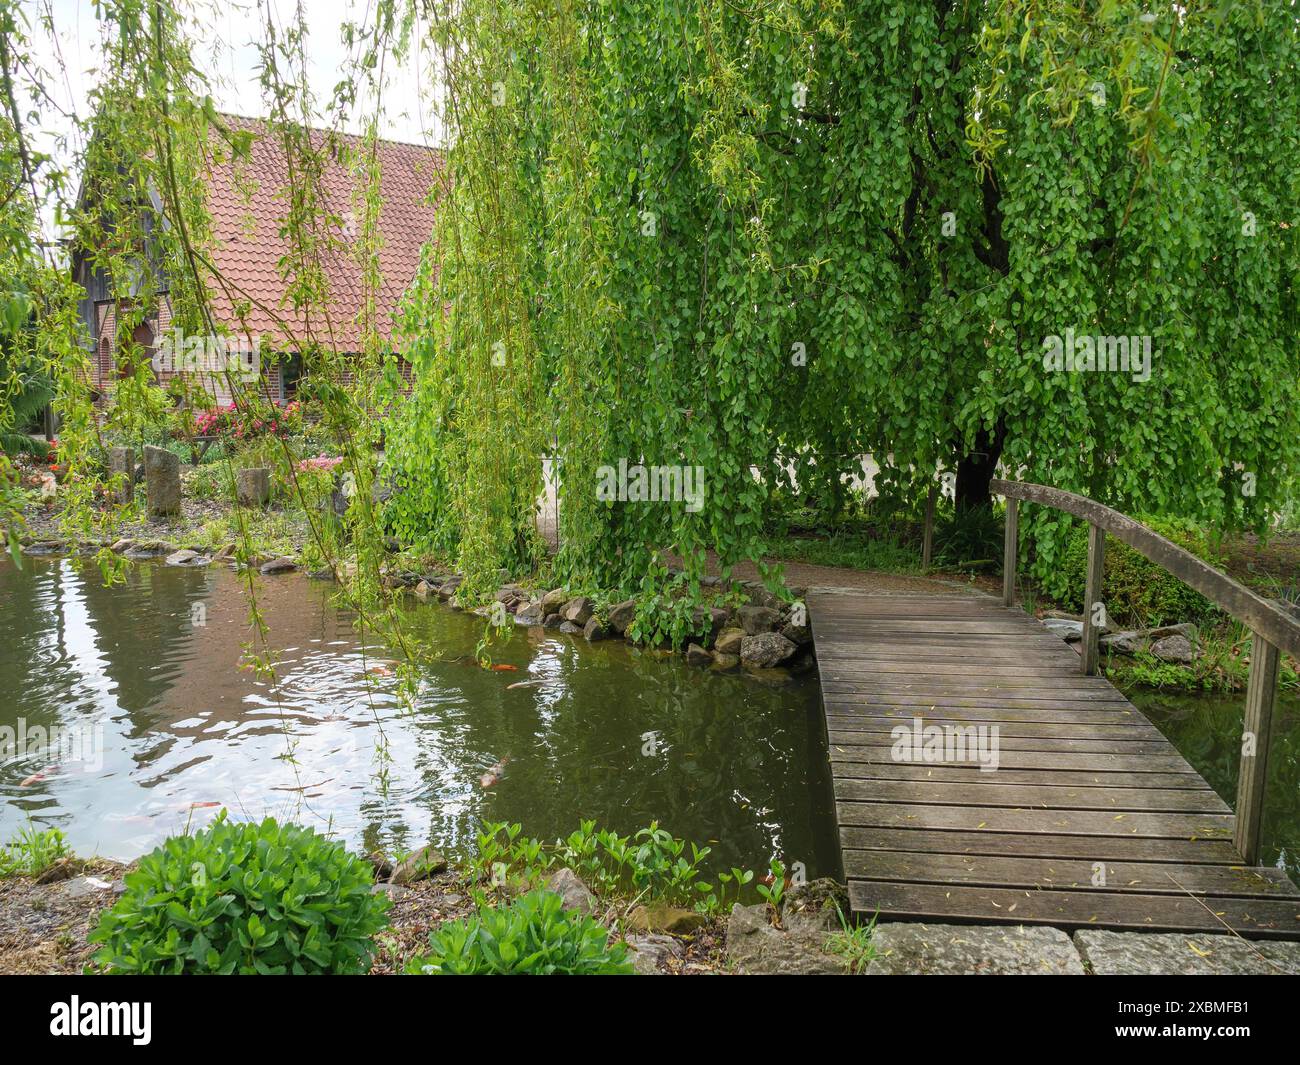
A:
(649, 952)
(661, 917)
(728, 642)
(706, 623)
(755, 619)
(576, 895)
(621, 616)
(578, 610)
(1174, 649)
(162, 481)
(529, 613)
(799, 635)
(553, 600)
(906, 949)
(765, 650)
(253, 486)
(755, 947)
(426, 862)
(1131, 641)
(186, 557)
(1069, 631)
(698, 656)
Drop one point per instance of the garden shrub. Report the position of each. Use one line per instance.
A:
(533, 936)
(1138, 592)
(244, 898)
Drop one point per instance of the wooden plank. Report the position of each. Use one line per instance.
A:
(970, 702)
(1039, 796)
(923, 655)
(1064, 874)
(1048, 822)
(1073, 730)
(1075, 687)
(937, 691)
(974, 775)
(1063, 670)
(1023, 743)
(1094, 848)
(1264, 918)
(990, 714)
(1098, 759)
(978, 626)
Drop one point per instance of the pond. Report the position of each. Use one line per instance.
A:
(1206, 729)
(161, 728)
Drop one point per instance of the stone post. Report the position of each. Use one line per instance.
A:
(162, 481)
(253, 486)
(121, 460)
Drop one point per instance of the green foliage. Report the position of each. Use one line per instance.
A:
(970, 537)
(772, 889)
(1137, 592)
(650, 864)
(244, 898)
(532, 936)
(1222, 665)
(648, 211)
(33, 851)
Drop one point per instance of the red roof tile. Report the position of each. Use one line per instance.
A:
(246, 201)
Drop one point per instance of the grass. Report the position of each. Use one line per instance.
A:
(32, 851)
(853, 550)
(853, 942)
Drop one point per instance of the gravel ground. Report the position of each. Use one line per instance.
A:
(43, 926)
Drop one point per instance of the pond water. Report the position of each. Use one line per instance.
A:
(174, 730)
(1206, 729)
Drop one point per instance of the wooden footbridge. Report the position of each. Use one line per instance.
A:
(984, 773)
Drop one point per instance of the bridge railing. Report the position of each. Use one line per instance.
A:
(1273, 629)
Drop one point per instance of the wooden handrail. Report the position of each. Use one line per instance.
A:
(1263, 617)
(1273, 628)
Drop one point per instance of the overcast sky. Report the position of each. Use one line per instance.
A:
(223, 49)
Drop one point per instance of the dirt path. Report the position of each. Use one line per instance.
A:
(842, 578)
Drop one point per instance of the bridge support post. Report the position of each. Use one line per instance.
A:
(1010, 544)
(1256, 737)
(1092, 596)
(927, 530)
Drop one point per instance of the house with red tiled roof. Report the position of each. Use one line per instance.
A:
(246, 203)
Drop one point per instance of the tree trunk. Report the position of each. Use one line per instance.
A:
(977, 468)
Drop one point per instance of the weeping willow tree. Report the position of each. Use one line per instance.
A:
(765, 239)
(131, 204)
(753, 242)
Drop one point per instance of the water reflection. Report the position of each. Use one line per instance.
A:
(615, 734)
(1206, 729)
